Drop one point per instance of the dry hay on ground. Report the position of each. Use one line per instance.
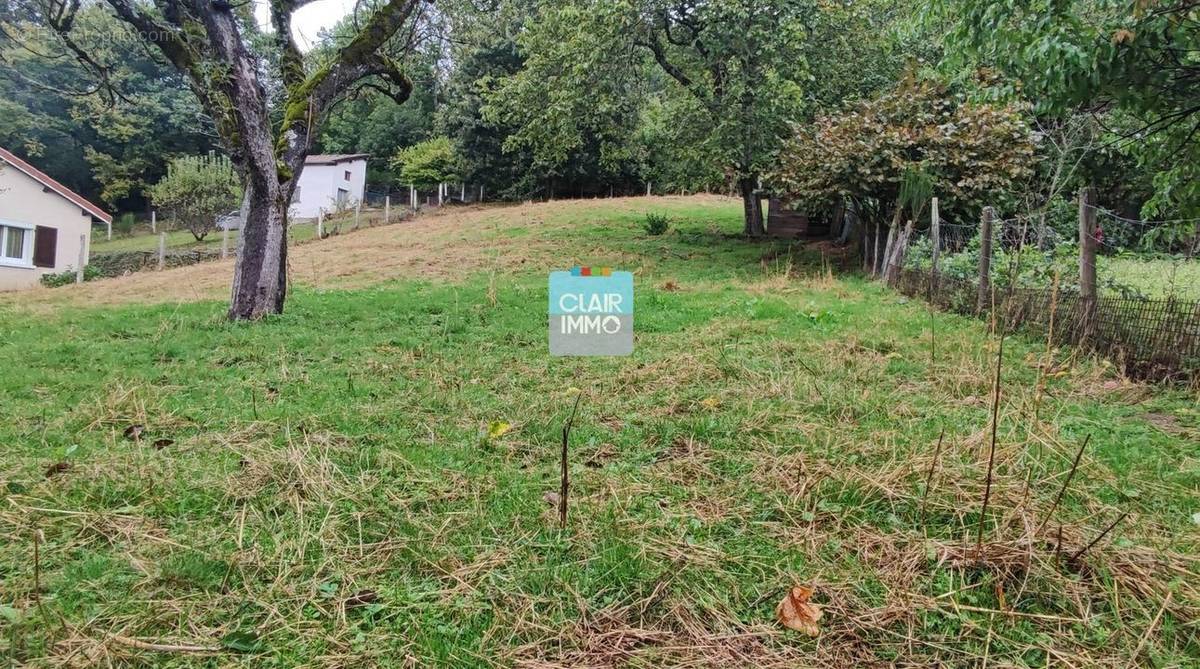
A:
(440, 245)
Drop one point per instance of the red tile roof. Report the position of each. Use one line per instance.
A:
(53, 185)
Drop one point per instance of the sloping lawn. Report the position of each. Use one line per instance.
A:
(361, 481)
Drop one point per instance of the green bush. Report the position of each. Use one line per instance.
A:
(656, 224)
(124, 224)
(56, 279)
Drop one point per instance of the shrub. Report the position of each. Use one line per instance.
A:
(124, 224)
(196, 190)
(656, 224)
(428, 163)
(56, 279)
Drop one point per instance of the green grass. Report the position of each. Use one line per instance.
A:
(1156, 278)
(144, 240)
(775, 425)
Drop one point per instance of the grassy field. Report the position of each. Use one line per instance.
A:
(361, 481)
(182, 239)
(144, 240)
(1155, 278)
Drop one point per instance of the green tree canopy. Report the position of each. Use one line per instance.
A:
(196, 190)
(428, 163)
(108, 143)
(588, 64)
(1137, 57)
(971, 154)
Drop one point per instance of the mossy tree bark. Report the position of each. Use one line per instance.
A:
(205, 40)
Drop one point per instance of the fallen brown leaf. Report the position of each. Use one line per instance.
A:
(798, 613)
(134, 432)
(57, 468)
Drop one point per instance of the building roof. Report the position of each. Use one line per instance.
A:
(334, 158)
(51, 184)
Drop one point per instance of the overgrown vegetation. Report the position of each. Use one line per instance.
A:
(656, 224)
(56, 279)
(285, 494)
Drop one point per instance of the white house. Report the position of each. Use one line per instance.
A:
(44, 226)
(328, 183)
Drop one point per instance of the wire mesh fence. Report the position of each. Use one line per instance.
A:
(413, 197)
(1128, 292)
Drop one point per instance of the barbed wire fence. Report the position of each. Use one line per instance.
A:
(1127, 289)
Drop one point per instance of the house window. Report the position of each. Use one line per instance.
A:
(347, 175)
(16, 245)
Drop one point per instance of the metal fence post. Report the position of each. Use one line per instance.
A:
(985, 260)
(1087, 259)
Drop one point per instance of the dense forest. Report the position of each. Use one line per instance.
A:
(1106, 80)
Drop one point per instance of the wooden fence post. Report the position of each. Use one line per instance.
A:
(412, 197)
(1087, 258)
(320, 224)
(463, 193)
(892, 271)
(935, 238)
(481, 192)
(387, 209)
(868, 245)
(881, 263)
(357, 211)
(983, 298)
(162, 250)
(648, 184)
(153, 220)
(82, 259)
(110, 230)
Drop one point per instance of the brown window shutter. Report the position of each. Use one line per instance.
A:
(45, 246)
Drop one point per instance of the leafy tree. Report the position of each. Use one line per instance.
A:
(739, 61)
(892, 151)
(427, 164)
(209, 44)
(196, 190)
(108, 145)
(1128, 55)
(369, 121)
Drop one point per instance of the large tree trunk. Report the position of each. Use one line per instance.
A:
(260, 277)
(751, 207)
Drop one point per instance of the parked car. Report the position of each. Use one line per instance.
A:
(230, 221)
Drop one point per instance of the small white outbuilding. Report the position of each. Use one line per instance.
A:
(328, 183)
(44, 226)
